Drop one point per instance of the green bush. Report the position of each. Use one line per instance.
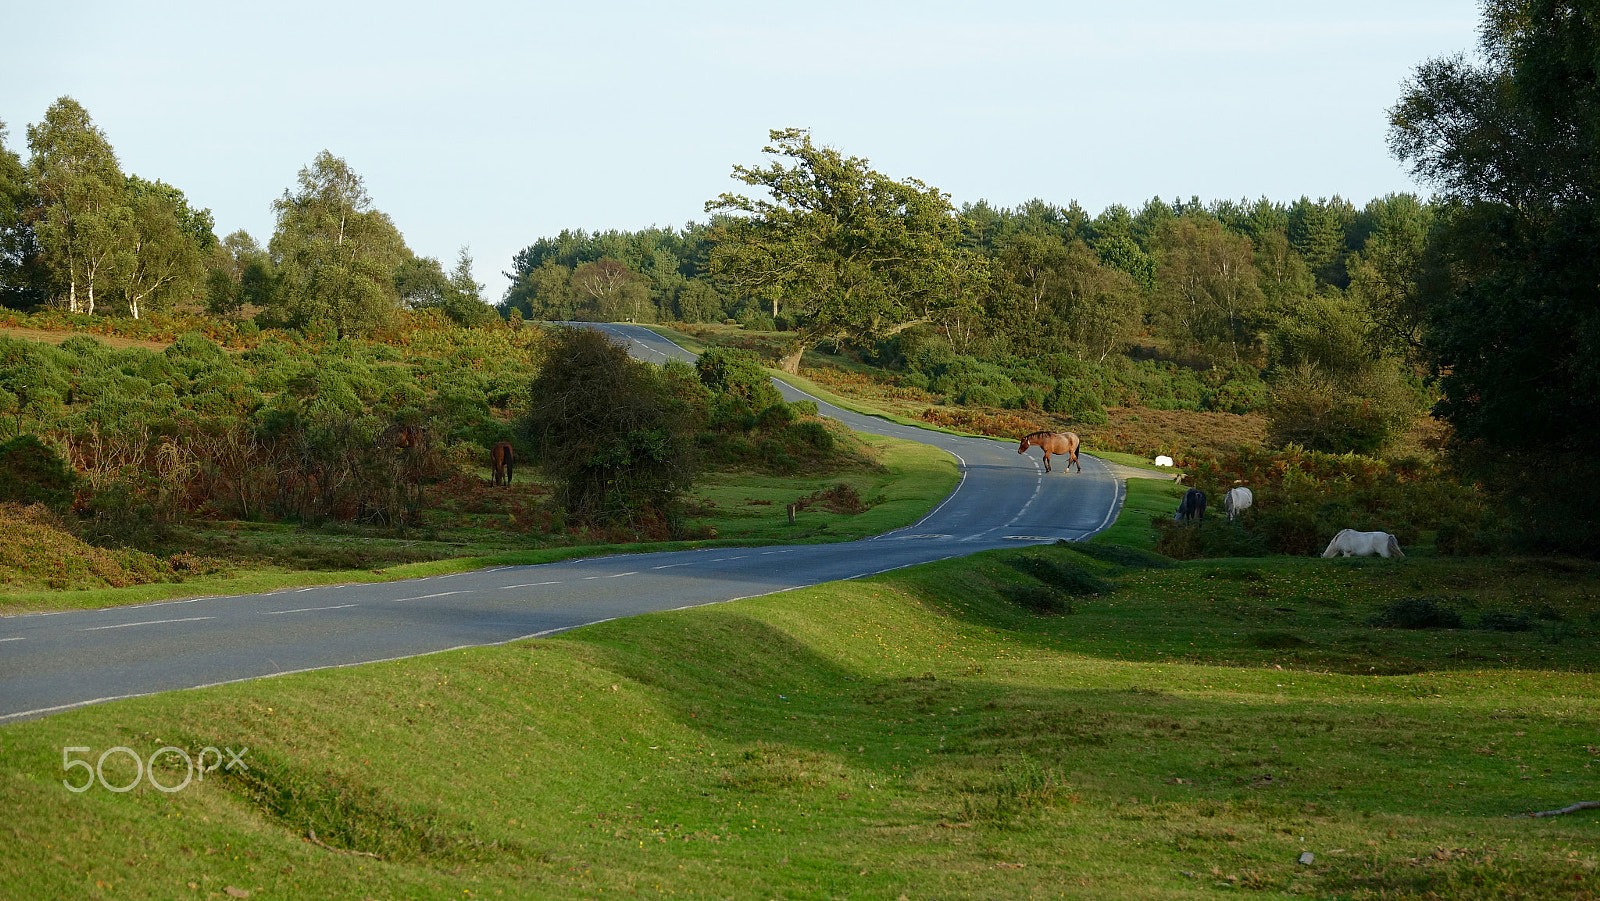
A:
(31, 472)
(980, 396)
(732, 373)
(777, 417)
(1362, 414)
(1237, 388)
(1077, 399)
(812, 434)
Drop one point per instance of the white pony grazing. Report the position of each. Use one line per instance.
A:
(1363, 544)
(1236, 501)
(1163, 460)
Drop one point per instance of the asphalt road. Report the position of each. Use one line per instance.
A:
(56, 661)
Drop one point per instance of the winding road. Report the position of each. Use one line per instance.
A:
(56, 661)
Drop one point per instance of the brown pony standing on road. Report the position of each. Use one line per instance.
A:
(501, 459)
(1064, 443)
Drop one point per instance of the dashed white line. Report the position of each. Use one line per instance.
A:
(424, 597)
(306, 609)
(620, 575)
(671, 565)
(18, 638)
(528, 585)
(153, 622)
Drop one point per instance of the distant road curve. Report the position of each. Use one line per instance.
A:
(57, 661)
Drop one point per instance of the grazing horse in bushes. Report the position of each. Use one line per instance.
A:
(501, 459)
(1064, 443)
(1192, 507)
(1236, 501)
(1350, 543)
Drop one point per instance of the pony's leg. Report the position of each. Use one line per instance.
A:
(1046, 461)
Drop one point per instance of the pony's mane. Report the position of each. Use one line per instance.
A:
(1038, 433)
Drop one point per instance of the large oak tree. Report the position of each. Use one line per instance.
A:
(846, 250)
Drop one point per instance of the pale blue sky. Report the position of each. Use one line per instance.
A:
(492, 124)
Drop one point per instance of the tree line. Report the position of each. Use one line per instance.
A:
(79, 234)
(1037, 306)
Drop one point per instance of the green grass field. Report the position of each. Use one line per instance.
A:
(1193, 731)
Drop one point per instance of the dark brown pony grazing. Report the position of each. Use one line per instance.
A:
(1065, 443)
(501, 459)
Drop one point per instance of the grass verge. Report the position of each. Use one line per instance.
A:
(1197, 728)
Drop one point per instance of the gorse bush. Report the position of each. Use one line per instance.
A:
(284, 428)
(1361, 414)
(612, 433)
(31, 472)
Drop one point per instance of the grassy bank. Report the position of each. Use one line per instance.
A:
(1195, 728)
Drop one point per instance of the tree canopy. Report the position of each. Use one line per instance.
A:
(1513, 286)
(846, 249)
(336, 255)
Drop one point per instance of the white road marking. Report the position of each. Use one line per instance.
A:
(671, 565)
(153, 622)
(18, 638)
(424, 597)
(620, 575)
(529, 584)
(306, 609)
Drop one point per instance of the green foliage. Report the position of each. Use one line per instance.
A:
(23, 277)
(32, 472)
(739, 375)
(85, 228)
(1210, 303)
(1302, 498)
(668, 263)
(851, 252)
(336, 255)
(1513, 286)
(170, 240)
(611, 433)
(1364, 414)
(423, 285)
